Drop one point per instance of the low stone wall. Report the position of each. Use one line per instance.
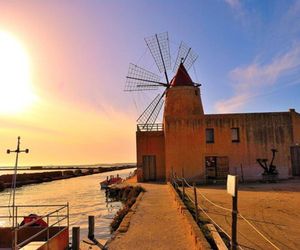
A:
(129, 195)
(126, 220)
(124, 225)
(192, 227)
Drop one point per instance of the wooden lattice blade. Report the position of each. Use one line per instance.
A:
(158, 45)
(185, 55)
(151, 113)
(139, 79)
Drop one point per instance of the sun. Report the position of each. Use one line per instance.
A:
(16, 93)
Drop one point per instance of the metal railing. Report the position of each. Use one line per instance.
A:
(180, 185)
(150, 127)
(60, 213)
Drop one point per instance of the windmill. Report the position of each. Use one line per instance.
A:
(140, 79)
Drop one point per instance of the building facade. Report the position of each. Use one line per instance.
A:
(202, 146)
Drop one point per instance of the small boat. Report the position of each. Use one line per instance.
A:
(34, 221)
(47, 231)
(110, 180)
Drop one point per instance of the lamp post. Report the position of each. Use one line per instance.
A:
(17, 151)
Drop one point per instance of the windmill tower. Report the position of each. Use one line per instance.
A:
(183, 114)
(175, 144)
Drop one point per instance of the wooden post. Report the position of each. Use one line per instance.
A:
(48, 228)
(91, 235)
(183, 189)
(183, 192)
(242, 173)
(76, 238)
(196, 203)
(234, 218)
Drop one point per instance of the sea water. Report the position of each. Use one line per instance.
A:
(83, 195)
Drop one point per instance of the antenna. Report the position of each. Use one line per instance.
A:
(186, 56)
(17, 151)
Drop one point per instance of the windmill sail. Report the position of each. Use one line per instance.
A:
(160, 50)
(185, 55)
(139, 79)
(149, 116)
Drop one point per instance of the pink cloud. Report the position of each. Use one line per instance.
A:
(232, 104)
(250, 80)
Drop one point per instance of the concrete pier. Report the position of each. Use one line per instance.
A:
(156, 223)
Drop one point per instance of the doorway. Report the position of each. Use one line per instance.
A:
(217, 167)
(149, 167)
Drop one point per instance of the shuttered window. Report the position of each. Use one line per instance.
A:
(210, 137)
(235, 135)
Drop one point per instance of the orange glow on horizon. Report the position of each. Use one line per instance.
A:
(83, 136)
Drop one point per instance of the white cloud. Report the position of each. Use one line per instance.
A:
(234, 4)
(242, 15)
(249, 80)
(231, 104)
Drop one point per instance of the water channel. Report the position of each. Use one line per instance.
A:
(83, 194)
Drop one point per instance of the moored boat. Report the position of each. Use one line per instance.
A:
(110, 181)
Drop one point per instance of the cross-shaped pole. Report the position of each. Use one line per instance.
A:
(17, 151)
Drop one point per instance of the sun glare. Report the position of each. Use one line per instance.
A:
(16, 92)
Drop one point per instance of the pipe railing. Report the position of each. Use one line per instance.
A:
(150, 127)
(46, 217)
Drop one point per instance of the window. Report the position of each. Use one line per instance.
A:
(235, 135)
(210, 135)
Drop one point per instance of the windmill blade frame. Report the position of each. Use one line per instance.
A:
(140, 79)
(185, 55)
(147, 119)
(159, 47)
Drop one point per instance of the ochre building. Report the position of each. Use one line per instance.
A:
(202, 146)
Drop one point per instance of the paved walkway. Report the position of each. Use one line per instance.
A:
(155, 225)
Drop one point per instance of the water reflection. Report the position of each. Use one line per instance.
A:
(83, 194)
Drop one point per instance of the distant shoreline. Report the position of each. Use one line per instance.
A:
(64, 167)
(63, 173)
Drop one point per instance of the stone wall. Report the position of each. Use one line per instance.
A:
(259, 133)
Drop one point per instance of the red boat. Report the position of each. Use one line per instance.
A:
(110, 180)
(39, 222)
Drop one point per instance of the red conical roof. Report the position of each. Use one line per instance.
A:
(181, 78)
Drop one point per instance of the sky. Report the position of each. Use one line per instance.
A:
(64, 64)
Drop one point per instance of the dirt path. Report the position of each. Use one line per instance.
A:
(272, 208)
(155, 225)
